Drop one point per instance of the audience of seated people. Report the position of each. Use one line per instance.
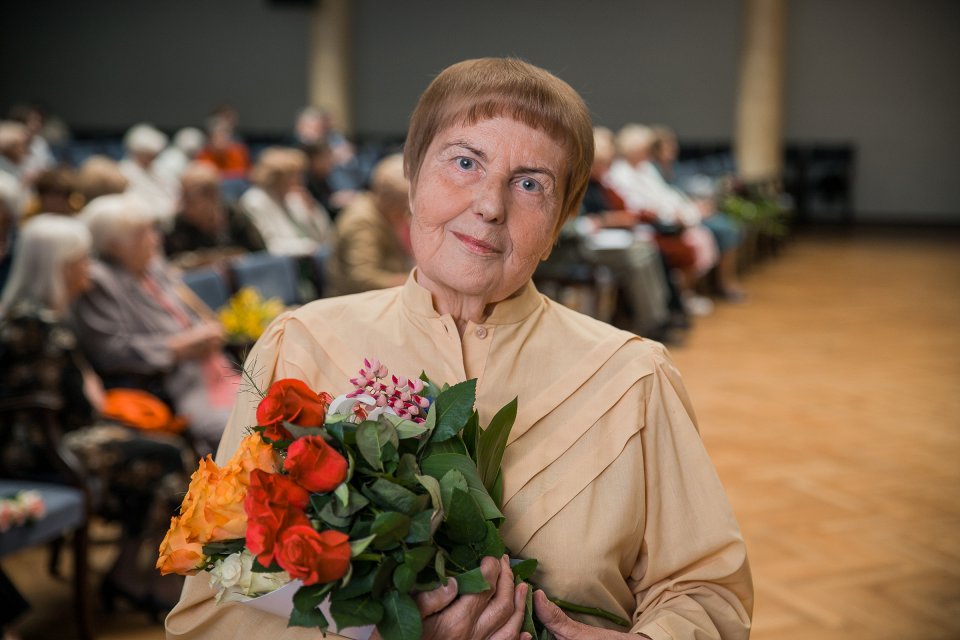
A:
(140, 475)
(134, 324)
(141, 327)
(372, 249)
(206, 229)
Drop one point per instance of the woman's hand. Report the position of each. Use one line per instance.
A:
(495, 614)
(566, 628)
(197, 342)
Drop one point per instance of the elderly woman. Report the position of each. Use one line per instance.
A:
(141, 327)
(143, 144)
(280, 207)
(140, 476)
(606, 481)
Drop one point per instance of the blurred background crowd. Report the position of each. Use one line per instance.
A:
(141, 254)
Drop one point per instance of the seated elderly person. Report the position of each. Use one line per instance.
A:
(279, 206)
(174, 160)
(372, 249)
(100, 176)
(14, 145)
(726, 231)
(637, 182)
(57, 191)
(230, 156)
(206, 229)
(143, 144)
(605, 479)
(140, 326)
(320, 178)
(140, 475)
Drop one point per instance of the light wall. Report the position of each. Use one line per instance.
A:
(878, 74)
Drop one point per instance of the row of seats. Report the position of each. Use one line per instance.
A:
(272, 276)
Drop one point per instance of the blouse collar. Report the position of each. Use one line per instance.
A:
(510, 311)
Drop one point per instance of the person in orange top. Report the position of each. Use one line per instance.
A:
(223, 151)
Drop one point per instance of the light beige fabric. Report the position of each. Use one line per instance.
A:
(367, 254)
(606, 480)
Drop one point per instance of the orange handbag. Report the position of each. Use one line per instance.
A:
(141, 410)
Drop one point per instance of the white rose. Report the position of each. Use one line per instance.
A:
(230, 570)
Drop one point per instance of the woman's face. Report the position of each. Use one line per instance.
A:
(137, 249)
(485, 206)
(76, 276)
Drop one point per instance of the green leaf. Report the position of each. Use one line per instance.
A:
(383, 576)
(224, 547)
(493, 442)
(406, 429)
(438, 465)
(328, 515)
(432, 485)
(305, 612)
(453, 445)
(450, 482)
(301, 432)
(373, 438)
(359, 546)
(523, 569)
(528, 624)
(464, 521)
(419, 557)
(390, 495)
(440, 566)
(492, 544)
(404, 578)
(359, 585)
(390, 527)
(401, 618)
(464, 556)
(430, 390)
(471, 435)
(356, 612)
(471, 582)
(407, 470)
(453, 408)
(343, 493)
(420, 528)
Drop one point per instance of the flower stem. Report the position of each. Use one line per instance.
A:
(590, 611)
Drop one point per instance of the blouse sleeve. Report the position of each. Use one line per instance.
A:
(692, 579)
(197, 616)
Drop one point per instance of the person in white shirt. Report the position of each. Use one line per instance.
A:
(280, 207)
(143, 144)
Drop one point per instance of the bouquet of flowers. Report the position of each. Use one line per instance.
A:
(357, 501)
(247, 315)
(21, 508)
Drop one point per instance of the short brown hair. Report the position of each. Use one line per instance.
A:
(475, 90)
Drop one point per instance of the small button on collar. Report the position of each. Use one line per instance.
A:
(481, 332)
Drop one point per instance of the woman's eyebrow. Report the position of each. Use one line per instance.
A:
(541, 170)
(466, 145)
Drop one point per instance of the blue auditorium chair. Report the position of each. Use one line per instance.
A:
(272, 276)
(209, 285)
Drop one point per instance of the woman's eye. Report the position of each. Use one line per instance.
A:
(529, 184)
(466, 164)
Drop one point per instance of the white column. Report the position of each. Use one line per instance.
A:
(330, 64)
(758, 141)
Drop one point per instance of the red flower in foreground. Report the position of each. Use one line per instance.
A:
(273, 504)
(291, 400)
(313, 557)
(315, 465)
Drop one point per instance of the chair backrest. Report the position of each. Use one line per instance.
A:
(272, 276)
(209, 285)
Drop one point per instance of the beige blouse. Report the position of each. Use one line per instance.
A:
(606, 480)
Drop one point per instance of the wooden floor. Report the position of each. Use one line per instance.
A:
(830, 403)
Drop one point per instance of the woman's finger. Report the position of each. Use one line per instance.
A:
(431, 602)
(500, 607)
(514, 623)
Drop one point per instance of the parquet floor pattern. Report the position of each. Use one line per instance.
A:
(830, 403)
(831, 406)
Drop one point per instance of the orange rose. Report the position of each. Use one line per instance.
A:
(253, 453)
(178, 554)
(213, 507)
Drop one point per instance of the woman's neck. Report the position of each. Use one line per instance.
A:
(462, 308)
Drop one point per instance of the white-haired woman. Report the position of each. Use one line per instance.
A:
(143, 143)
(142, 328)
(141, 475)
(280, 207)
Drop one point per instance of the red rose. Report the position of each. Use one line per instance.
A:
(273, 504)
(291, 400)
(315, 465)
(314, 557)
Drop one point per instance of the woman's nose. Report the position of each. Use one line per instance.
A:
(490, 201)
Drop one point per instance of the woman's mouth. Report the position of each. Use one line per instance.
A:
(475, 245)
